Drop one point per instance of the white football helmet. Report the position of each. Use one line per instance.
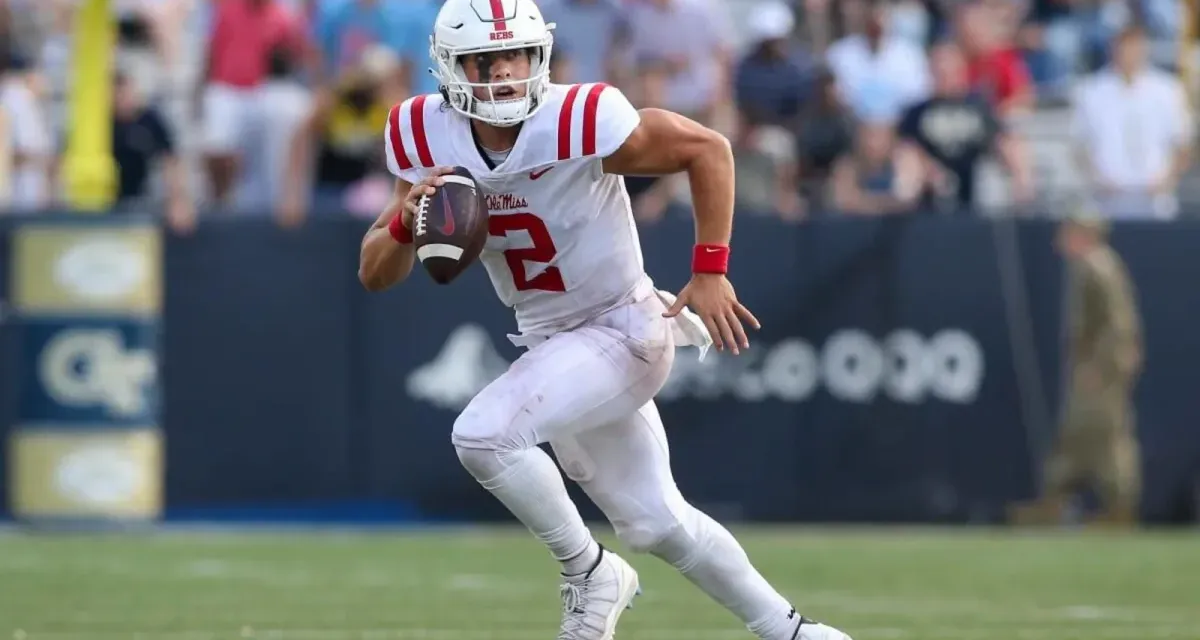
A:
(474, 26)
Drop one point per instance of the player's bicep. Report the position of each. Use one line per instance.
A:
(663, 143)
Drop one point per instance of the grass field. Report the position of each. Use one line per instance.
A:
(484, 584)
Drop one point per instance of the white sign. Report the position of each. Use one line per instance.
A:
(851, 366)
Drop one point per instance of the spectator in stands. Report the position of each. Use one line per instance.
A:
(141, 139)
(878, 176)
(1134, 131)
(996, 68)
(141, 45)
(345, 29)
(773, 81)
(245, 36)
(772, 84)
(1080, 32)
(765, 172)
(19, 27)
(826, 132)
(1052, 46)
(285, 102)
(416, 18)
(910, 20)
(681, 49)
(588, 40)
(342, 132)
(817, 24)
(27, 136)
(953, 131)
(879, 74)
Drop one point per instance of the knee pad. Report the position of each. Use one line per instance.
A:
(667, 536)
(485, 444)
(644, 537)
(484, 464)
(488, 427)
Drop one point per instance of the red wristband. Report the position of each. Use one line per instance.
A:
(710, 258)
(400, 233)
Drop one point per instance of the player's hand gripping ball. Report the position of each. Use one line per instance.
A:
(450, 227)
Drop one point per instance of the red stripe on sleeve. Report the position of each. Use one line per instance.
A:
(564, 123)
(417, 118)
(498, 16)
(589, 118)
(396, 140)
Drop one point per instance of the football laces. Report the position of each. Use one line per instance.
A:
(419, 220)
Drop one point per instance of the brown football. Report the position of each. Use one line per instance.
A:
(450, 226)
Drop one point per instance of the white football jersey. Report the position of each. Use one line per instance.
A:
(562, 245)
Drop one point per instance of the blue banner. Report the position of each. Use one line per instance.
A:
(908, 370)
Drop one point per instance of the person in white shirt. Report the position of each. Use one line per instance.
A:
(1134, 131)
(28, 139)
(879, 74)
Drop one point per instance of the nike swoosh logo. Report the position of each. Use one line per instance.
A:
(447, 226)
(534, 175)
(710, 250)
(457, 26)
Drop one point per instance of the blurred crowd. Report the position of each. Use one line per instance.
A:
(834, 107)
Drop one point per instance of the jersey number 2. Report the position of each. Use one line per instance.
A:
(542, 251)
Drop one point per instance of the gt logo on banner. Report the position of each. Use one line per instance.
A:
(92, 367)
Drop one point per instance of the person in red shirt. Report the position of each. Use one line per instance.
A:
(995, 67)
(246, 36)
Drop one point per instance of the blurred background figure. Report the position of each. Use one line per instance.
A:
(591, 41)
(26, 135)
(955, 129)
(346, 29)
(877, 176)
(682, 56)
(826, 133)
(985, 32)
(1134, 131)
(338, 143)
(1096, 446)
(143, 142)
(879, 74)
(773, 80)
(683, 52)
(236, 79)
(253, 43)
(772, 84)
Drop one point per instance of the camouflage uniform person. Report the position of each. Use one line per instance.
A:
(1096, 443)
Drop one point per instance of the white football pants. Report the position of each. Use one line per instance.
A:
(589, 393)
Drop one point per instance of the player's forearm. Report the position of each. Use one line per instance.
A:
(710, 174)
(383, 262)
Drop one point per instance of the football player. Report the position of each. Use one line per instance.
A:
(563, 252)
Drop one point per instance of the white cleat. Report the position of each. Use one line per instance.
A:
(807, 629)
(593, 602)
